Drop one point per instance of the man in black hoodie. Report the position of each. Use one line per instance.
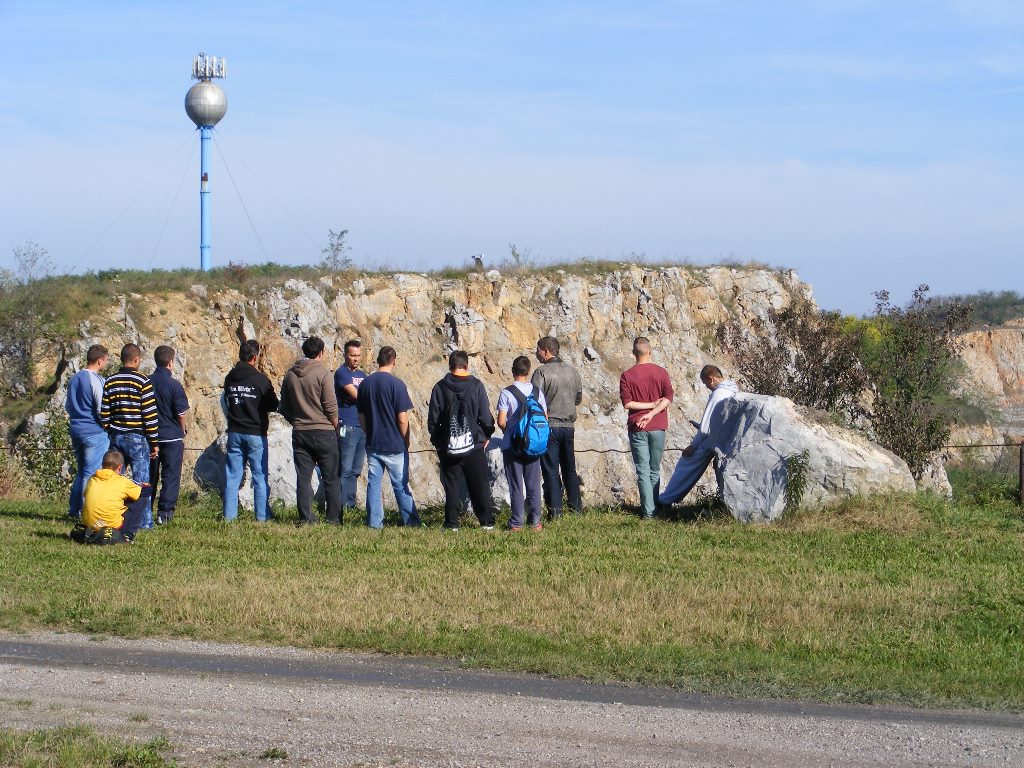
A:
(460, 425)
(248, 401)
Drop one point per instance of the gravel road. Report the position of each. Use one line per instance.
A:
(225, 705)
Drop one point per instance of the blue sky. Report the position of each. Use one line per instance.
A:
(866, 144)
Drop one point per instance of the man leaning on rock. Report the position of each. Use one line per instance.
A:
(309, 404)
(701, 450)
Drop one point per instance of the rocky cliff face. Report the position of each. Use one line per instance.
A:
(494, 317)
(994, 359)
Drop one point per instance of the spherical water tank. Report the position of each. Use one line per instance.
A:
(205, 103)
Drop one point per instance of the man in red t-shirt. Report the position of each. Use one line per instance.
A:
(646, 392)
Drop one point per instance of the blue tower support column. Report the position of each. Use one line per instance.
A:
(205, 133)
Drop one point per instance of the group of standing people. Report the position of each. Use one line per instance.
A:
(345, 419)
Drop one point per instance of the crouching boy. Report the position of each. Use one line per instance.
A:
(107, 515)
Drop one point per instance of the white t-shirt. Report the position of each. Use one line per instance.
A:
(507, 402)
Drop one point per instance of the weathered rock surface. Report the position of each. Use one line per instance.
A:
(760, 433)
(495, 317)
(994, 359)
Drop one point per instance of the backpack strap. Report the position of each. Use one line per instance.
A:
(517, 394)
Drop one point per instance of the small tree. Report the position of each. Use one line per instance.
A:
(335, 254)
(28, 312)
(912, 358)
(801, 353)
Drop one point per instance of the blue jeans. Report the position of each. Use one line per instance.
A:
(352, 449)
(89, 450)
(561, 456)
(397, 466)
(242, 449)
(647, 449)
(135, 448)
(686, 475)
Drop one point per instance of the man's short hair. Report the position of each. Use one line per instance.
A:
(641, 345)
(162, 356)
(130, 352)
(248, 350)
(96, 353)
(113, 459)
(353, 343)
(312, 347)
(386, 356)
(548, 344)
(458, 360)
(711, 370)
(521, 366)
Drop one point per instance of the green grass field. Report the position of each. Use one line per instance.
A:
(900, 600)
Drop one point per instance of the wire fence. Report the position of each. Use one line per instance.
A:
(621, 451)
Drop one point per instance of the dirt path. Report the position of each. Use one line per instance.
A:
(224, 705)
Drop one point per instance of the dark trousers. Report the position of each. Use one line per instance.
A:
(472, 468)
(316, 448)
(165, 473)
(133, 516)
(561, 455)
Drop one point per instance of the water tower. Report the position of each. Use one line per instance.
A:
(206, 104)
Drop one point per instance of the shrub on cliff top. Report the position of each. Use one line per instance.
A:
(801, 353)
(906, 357)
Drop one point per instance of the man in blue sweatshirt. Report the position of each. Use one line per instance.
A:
(88, 437)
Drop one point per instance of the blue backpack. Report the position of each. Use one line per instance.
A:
(531, 430)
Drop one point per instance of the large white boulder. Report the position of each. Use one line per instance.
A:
(760, 434)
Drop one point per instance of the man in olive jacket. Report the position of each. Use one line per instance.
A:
(563, 391)
(309, 404)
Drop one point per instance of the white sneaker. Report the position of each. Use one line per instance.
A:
(487, 527)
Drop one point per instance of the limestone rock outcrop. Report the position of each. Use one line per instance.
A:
(761, 435)
(495, 316)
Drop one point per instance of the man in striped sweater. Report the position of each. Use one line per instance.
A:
(129, 415)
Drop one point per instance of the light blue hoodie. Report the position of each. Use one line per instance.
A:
(723, 391)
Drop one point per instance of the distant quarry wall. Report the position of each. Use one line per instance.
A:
(493, 316)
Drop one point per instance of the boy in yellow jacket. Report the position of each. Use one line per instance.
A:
(106, 515)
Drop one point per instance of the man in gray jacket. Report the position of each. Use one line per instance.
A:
(309, 404)
(563, 390)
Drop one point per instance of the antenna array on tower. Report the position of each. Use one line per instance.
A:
(208, 67)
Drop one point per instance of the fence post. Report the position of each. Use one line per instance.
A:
(1020, 478)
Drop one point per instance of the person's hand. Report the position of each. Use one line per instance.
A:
(153, 452)
(145, 485)
(643, 421)
(688, 451)
(486, 442)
